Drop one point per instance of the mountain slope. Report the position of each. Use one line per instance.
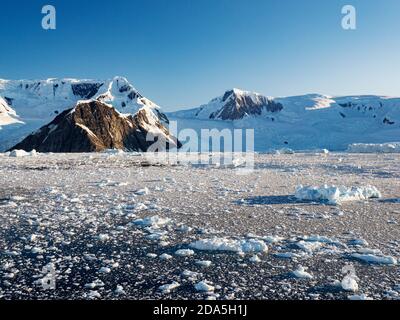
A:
(37, 102)
(7, 115)
(94, 126)
(302, 122)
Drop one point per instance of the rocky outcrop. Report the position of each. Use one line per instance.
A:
(238, 104)
(94, 126)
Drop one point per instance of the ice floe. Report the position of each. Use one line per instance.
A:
(204, 286)
(374, 258)
(301, 273)
(184, 253)
(225, 244)
(393, 147)
(154, 222)
(22, 153)
(336, 195)
(167, 288)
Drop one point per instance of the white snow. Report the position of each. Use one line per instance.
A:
(336, 195)
(225, 244)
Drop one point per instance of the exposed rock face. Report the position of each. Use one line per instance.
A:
(238, 104)
(86, 90)
(94, 126)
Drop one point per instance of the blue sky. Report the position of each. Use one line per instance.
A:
(181, 53)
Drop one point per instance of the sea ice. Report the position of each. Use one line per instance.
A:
(336, 195)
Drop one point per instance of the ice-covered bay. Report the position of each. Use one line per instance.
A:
(122, 226)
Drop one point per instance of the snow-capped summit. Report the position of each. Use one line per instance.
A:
(34, 103)
(234, 104)
(46, 98)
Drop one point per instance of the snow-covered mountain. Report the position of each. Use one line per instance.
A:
(300, 122)
(27, 105)
(235, 104)
(94, 126)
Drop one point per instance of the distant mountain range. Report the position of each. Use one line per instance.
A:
(306, 122)
(51, 115)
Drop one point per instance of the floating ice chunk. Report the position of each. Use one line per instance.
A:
(120, 290)
(95, 284)
(93, 295)
(349, 283)
(287, 255)
(103, 237)
(225, 244)
(113, 151)
(139, 207)
(358, 242)
(204, 263)
(165, 256)
(204, 286)
(273, 239)
(284, 151)
(22, 153)
(153, 222)
(309, 246)
(184, 253)
(336, 195)
(255, 259)
(37, 250)
(142, 192)
(184, 229)
(376, 259)
(151, 255)
(362, 297)
(190, 274)
(19, 153)
(105, 270)
(33, 237)
(393, 147)
(301, 273)
(167, 288)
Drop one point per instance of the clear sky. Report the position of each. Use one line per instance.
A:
(182, 53)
